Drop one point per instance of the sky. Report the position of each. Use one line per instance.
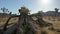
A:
(33, 5)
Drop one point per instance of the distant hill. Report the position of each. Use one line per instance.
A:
(48, 13)
(51, 13)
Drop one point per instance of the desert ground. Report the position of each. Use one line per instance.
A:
(55, 29)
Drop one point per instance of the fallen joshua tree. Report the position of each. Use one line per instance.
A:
(25, 24)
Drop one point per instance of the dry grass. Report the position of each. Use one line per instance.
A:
(55, 22)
